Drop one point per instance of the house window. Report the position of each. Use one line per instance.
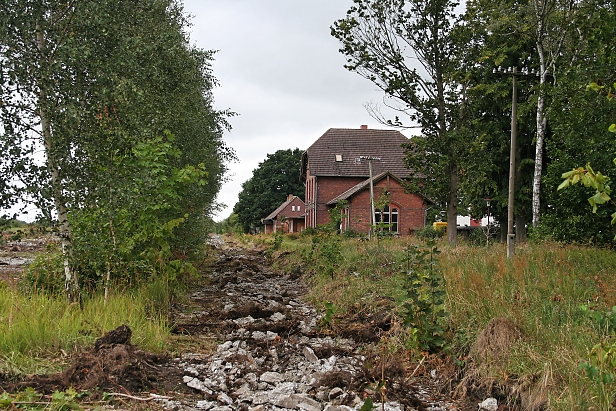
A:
(292, 208)
(338, 158)
(388, 215)
(299, 208)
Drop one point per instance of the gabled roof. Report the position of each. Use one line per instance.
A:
(349, 145)
(281, 207)
(365, 184)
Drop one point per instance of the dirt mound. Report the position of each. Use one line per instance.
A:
(483, 376)
(113, 364)
(365, 325)
(495, 341)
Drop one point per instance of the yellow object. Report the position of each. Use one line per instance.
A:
(440, 225)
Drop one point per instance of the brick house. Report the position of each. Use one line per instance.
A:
(335, 168)
(288, 217)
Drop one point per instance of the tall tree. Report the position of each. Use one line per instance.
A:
(271, 182)
(407, 48)
(486, 30)
(580, 121)
(91, 82)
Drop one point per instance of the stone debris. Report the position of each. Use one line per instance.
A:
(272, 355)
(489, 404)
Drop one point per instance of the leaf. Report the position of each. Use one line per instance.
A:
(612, 128)
(368, 405)
(564, 184)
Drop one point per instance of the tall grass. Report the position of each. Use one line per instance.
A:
(541, 290)
(40, 326)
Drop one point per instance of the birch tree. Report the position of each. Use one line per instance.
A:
(92, 84)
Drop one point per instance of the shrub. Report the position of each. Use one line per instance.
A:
(429, 233)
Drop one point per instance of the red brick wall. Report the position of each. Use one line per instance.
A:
(327, 189)
(319, 191)
(411, 208)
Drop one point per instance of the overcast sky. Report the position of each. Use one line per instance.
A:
(280, 70)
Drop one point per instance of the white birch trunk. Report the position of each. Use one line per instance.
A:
(71, 282)
(541, 120)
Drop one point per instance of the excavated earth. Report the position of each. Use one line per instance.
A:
(257, 345)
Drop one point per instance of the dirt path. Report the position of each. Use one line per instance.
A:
(272, 355)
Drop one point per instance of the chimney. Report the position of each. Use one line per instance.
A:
(364, 127)
(290, 197)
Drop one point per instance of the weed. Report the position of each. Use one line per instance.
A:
(326, 320)
(424, 309)
(601, 367)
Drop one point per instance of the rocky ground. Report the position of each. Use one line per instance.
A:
(261, 346)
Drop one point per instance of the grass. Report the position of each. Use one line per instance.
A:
(37, 331)
(541, 290)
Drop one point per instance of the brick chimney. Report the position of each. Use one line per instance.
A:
(364, 127)
(290, 197)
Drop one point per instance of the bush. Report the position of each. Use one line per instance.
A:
(429, 233)
(45, 274)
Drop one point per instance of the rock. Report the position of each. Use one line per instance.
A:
(278, 316)
(489, 404)
(225, 399)
(302, 401)
(310, 355)
(196, 384)
(271, 377)
(205, 405)
(284, 388)
(335, 393)
(331, 407)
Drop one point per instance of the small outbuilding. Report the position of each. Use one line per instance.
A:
(287, 218)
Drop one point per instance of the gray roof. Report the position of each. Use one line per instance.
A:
(350, 145)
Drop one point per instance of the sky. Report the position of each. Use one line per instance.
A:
(280, 70)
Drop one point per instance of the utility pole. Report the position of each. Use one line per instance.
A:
(372, 215)
(513, 71)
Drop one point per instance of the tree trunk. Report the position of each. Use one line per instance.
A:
(520, 228)
(502, 222)
(452, 206)
(71, 281)
(541, 120)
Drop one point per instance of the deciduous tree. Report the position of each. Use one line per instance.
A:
(90, 83)
(271, 182)
(408, 48)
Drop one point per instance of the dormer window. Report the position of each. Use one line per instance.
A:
(338, 158)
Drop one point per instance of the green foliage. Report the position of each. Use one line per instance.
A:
(29, 399)
(424, 307)
(367, 405)
(45, 273)
(428, 232)
(326, 320)
(336, 214)
(324, 254)
(271, 182)
(278, 237)
(602, 148)
(108, 79)
(601, 367)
